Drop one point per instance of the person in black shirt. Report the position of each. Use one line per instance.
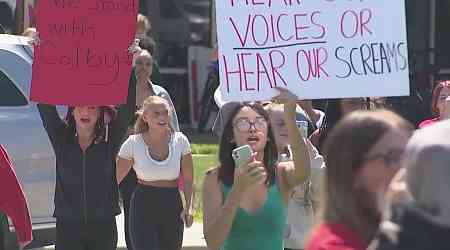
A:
(86, 192)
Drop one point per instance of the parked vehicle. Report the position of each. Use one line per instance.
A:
(23, 135)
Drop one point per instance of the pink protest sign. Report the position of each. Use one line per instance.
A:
(315, 48)
(82, 58)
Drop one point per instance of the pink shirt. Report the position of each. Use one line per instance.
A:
(428, 122)
(335, 237)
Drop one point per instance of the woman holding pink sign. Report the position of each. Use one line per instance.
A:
(86, 192)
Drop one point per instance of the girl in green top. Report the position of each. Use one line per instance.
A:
(244, 207)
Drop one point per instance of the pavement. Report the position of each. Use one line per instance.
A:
(192, 238)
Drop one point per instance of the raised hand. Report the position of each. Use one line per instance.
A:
(285, 97)
(187, 215)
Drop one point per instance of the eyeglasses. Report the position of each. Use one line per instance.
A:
(244, 124)
(389, 158)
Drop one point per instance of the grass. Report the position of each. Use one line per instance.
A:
(205, 156)
(204, 149)
(201, 163)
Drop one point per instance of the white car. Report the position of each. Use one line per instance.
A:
(25, 139)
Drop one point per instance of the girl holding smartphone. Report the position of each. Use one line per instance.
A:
(244, 207)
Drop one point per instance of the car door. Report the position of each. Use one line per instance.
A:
(26, 141)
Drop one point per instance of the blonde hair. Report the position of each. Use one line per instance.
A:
(29, 32)
(141, 126)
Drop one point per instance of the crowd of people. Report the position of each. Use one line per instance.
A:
(354, 176)
(373, 188)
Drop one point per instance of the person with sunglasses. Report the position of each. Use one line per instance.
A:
(244, 207)
(417, 209)
(362, 153)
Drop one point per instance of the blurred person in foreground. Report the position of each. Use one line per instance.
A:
(335, 110)
(418, 197)
(362, 153)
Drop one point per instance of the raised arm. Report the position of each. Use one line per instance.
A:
(124, 115)
(52, 123)
(298, 142)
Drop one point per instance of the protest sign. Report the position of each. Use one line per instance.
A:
(82, 58)
(315, 48)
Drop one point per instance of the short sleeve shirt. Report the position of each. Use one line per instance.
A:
(149, 169)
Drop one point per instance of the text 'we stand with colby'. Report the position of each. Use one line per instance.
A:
(80, 52)
(275, 40)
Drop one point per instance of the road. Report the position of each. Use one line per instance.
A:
(193, 237)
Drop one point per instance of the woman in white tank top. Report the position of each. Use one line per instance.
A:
(158, 154)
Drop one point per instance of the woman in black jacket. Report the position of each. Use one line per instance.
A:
(86, 193)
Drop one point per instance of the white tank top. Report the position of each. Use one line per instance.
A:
(149, 169)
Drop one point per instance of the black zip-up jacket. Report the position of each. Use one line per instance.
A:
(411, 228)
(86, 189)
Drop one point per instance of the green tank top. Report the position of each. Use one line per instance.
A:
(262, 230)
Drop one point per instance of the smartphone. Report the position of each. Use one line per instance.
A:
(241, 154)
(303, 126)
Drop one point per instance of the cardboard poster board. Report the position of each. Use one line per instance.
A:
(315, 48)
(83, 57)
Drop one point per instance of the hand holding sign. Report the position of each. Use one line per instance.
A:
(286, 97)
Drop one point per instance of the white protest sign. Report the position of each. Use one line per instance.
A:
(315, 48)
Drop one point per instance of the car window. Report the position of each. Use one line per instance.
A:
(10, 95)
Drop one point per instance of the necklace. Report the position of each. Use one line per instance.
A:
(161, 154)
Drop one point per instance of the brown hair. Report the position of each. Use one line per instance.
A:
(345, 148)
(141, 126)
(100, 125)
(436, 93)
